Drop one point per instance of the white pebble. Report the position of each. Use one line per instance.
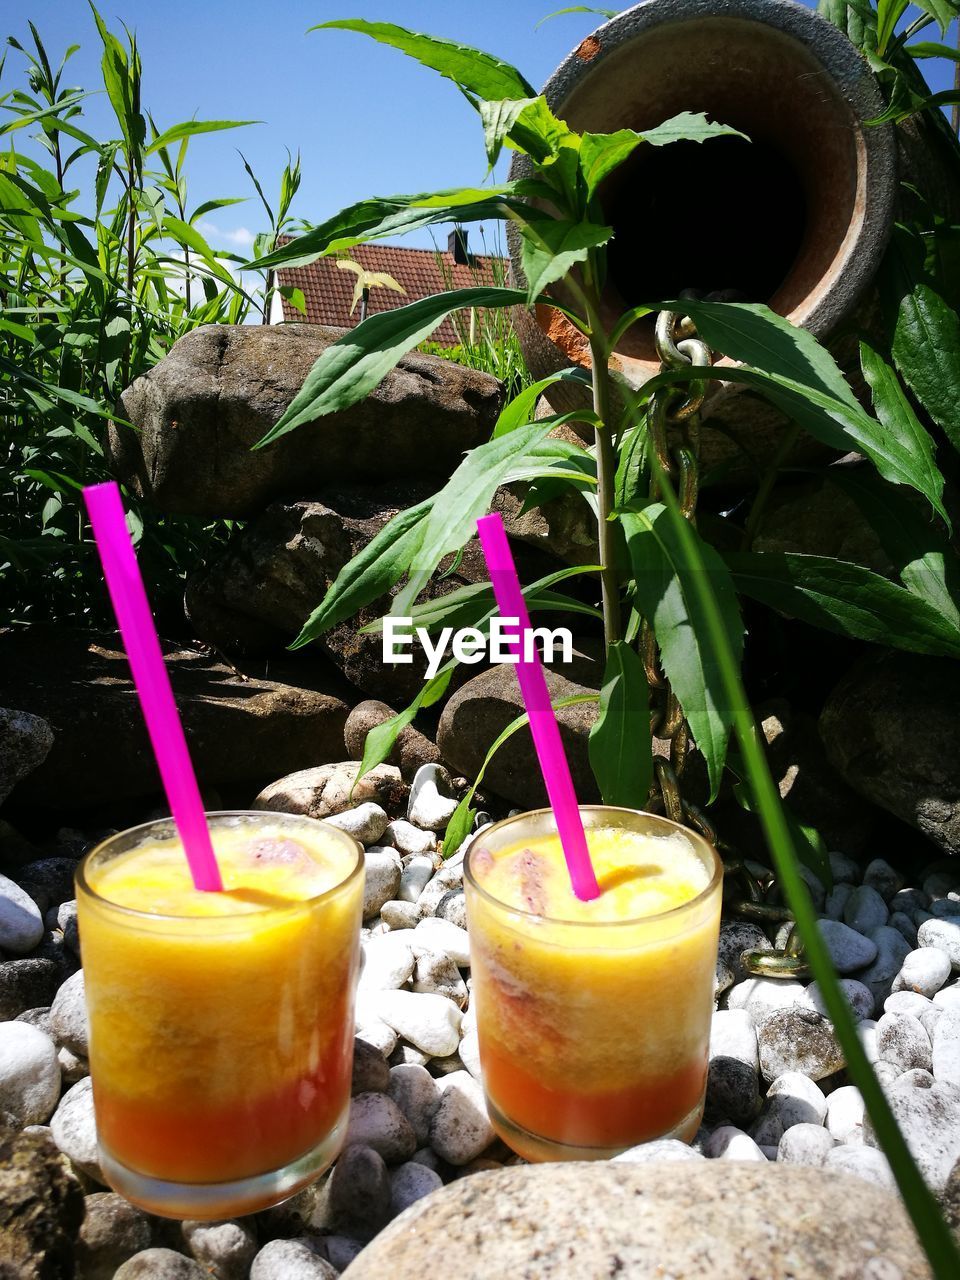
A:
(74, 1129)
(845, 1112)
(924, 971)
(762, 997)
(902, 1040)
(431, 1023)
(21, 924)
(730, 1143)
(387, 962)
(733, 1035)
(944, 934)
(858, 997)
(441, 935)
(806, 1144)
(29, 1073)
(862, 1162)
(382, 871)
(946, 1048)
(408, 838)
(416, 875)
(431, 806)
(366, 823)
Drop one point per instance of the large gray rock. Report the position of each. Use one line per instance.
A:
(41, 1208)
(113, 1230)
(242, 730)
(332, 788)
(891, 728)
(221, 388)
(721, 1220)
(25, 742)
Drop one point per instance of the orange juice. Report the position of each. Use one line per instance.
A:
(593, 1017)
(221, 1024)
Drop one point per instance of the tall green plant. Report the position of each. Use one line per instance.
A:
(684, 588)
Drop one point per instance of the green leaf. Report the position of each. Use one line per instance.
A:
(517, 412)
(844, 598)
(541, 134)
(943, 12)
(467, 495)
(895, 413)
(190, 128)
(889, 13)
(924, 558)
(380, 740)
(551, 246)
(601, 153)
(370, 574)
(930, 49)
(351, 367)
(19, 120)
(479, 73)
(458, 828)
(807, 841)
(620, 744)
(690, 126)
(751, 332)
(926, 350)
(667, 596)
(498, 119)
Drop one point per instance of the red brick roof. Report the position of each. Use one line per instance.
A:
(328, 289)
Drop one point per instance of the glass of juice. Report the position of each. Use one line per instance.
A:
(221, 1024)
(593, 1017)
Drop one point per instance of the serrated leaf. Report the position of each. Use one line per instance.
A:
(844, 598)
(351, 367)
(549, 247)
(498, 118)
(479, 73)
(690, 126)
(666, 596)
(620, 744)
(926, 350)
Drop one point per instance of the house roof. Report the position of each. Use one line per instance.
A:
(328, 289)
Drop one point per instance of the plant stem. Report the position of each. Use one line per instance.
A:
(759, 505)
(606, 472)
(934, 1235)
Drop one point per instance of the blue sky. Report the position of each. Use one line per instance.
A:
(365, 119)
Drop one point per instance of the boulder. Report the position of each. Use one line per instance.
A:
(332, 788)
(25, 742)
(411, 749)
(242, 729)
(891, 728)
(717, 1219)
(41, 1209)
(221, 388)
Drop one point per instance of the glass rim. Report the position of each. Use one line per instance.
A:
(136, 913)
(694, 836)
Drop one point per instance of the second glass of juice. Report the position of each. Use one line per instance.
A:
(593, 1017)
(221, 1024)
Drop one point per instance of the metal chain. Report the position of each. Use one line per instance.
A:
(674, 422)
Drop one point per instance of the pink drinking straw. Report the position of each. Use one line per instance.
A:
(543, 721)
(150, 676)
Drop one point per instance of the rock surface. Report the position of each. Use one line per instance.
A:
(221, 388)
(720, 1221)
(41, 1208)
(326, 789)
(892, 729)
(240, 731)
(25, 742)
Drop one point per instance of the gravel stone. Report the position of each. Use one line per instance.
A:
(946, 998)
(225, 1249)
(67, 924)
(291, 1260)
(356, 1197)
(453, 907)
(379, 1036)
(408, 838)
(68, 1016)
(944, 934)
(763, 997)
(844, 868)
(431, 804)
(436, 974)
(836, 901)
(416, 1093)
(798, 1040)
(733, 1035)
(945, 908)
(341, 1250)
(849, 950)
(371, 1074)
(859, 998)
(407, 1055)
(441, 935)
(865, 909)
(661, 1149)
(862, 1162)
(916, 1078)
(867, 1032)
(430, 1023)
(902, 1040)
(417, 874)
(74, 1129)
(165, 1264)
(737, 936)
(29, 1073)
(845, 1112)
(72, 1068)
(939, 883)
(730, 1143)
(21, 921)
(396, 914)
(113, 1230)
(411, 1182)
(902, 922)
(930, 1122)
(377, 1122)
(892, 950)
(792, 1099)
(807, 1144)
(885, 879)
(366, 823)
(461, 1129)
(382, 879)
(946, 1048)
(387, 963)
(470, 1053)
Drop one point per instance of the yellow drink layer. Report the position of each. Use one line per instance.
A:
(261, 871)
(638, 876)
